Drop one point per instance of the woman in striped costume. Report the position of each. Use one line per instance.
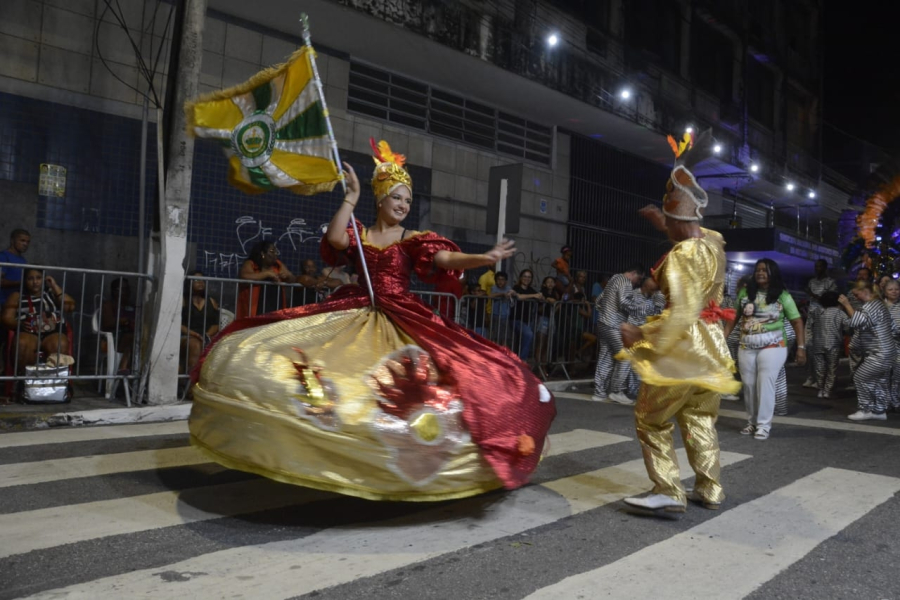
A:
(873, 342)
(892, 300)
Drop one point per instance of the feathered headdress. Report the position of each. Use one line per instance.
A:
(685, 199)
(389, 173)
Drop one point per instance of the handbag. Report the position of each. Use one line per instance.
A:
(46, 384)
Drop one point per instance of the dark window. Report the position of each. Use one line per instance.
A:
(760, 93)
(654, 28)
(712, 60)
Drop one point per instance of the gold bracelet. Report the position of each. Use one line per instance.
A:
(350, 203)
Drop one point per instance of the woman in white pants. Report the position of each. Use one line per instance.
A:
(762, 309)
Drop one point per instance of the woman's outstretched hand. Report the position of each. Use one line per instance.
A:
(501, 251)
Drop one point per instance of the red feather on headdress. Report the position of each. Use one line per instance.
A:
(383, 153)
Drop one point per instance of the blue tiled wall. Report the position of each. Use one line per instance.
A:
(100, 152)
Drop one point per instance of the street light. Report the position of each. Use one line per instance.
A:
(625, 94)
(689, 129)
(552, 40)
(754, 168)
(811, 194)
(717, 148)
(790, 187)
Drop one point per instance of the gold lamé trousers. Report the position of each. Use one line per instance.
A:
(696, 410)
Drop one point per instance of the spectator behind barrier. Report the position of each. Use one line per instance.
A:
(262, 266)
(316, 286)
(117, 315)
(561, 265)
(200, 319)
(37, 315)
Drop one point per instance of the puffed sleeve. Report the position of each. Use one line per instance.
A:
(336, 258)
(422, 248)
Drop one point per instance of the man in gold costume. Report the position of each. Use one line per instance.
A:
(681, 355)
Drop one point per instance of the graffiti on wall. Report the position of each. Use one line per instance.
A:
(293, 243)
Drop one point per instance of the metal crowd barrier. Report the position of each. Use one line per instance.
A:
(549, 337)
(96, 324)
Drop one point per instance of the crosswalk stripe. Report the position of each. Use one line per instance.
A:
(742, 549)
(48, 527)
(340, 555)
(104, 464)
(820, 423)
(582, 439)
(44, 528)
(804, 422)
(85, 434)
(107, 464)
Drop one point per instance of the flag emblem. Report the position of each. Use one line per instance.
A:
(273, 128)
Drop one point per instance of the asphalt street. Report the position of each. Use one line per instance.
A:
(133, 511)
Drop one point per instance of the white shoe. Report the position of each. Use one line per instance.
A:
(599, 398)
(748, 430)
(620, 398)
(878, 416)
(732, 397)
(821, 394)
(656, 502)
(860, 415)
(761, 434)
(826, 394)
(809, 383)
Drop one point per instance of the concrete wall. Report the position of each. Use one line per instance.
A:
(47, 51)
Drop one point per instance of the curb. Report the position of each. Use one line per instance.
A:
(105, 416)
(566, 384)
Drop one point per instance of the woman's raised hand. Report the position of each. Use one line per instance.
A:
(351, 179)
(501, 251)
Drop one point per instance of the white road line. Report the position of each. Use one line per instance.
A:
(343, 554)
(86, 434)
(802, 422)
(45, 528)
(821, 424)
(740, 550)
(103, 464)
(49, 527)
(582, 439)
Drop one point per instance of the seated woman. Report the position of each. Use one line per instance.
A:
(262, 267)
(199, 321)
(36, 315)
(117, 315)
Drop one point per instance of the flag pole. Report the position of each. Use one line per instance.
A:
(304, 20)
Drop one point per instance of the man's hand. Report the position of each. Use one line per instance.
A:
(652, 213)
(631, 334)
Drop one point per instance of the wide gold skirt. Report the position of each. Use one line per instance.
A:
(308, 401)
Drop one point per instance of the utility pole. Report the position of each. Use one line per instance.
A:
(166, 340)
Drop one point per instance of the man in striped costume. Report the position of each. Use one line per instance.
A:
(649, 302)
(817, 286)
(614, 306)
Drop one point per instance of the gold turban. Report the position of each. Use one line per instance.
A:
(389, 174)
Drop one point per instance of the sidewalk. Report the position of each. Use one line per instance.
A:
(86, 409)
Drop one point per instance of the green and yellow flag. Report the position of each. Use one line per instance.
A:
(274, 129)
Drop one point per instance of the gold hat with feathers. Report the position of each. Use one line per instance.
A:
(389, 173)
(685, 200)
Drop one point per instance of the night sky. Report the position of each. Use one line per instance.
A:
(862, 78)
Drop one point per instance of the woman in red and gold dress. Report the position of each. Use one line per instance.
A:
(387, 402)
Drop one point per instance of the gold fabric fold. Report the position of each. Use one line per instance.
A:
(679, 347)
